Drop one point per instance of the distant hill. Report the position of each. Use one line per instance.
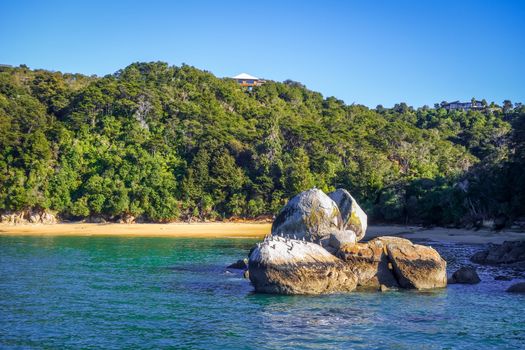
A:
(163, 143)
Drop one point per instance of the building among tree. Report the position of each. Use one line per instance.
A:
(463, 106)
(247, 80)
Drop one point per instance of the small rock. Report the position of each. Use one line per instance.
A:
(465, 275)
(517, 288)
(503, 278)
(240, 265)
(342, 238)
(383, 288)
(246, 274)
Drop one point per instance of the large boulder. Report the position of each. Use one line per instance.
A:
(370, 264)
(311, 215)
(287, 266)
(415, 266)
(465, 275)
(354, 218)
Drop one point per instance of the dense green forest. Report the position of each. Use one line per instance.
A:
(164, 143)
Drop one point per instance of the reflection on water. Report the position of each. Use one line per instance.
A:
(117, 292)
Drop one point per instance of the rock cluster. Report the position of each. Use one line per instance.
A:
(314, 248)
(510, 252)
(33, 216)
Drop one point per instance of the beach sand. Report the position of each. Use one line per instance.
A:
(194, 230)
(249, 230)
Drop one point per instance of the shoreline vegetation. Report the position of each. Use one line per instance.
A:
(160, 143)
(249, 229)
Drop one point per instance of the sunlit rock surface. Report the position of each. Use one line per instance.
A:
(311, 215)
(323, 255)
(286, 266)
(354, 218)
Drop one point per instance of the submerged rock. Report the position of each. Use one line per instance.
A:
(517, 288)
(465, 275)
(239, 265)
(311, 215)
(354, 218)
(503, 278)
(284, 266)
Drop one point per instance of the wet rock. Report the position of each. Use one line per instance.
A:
(311, 215)
(503, 278)
(239, 265)
(517, 288)
(283, 266)
(510, 252)
(354, 218)
(465, 275)
(370, 264)
(416, 266)
(246, 274)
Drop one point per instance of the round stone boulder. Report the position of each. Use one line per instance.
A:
(465, 275)
(311, 215)
(354, 218)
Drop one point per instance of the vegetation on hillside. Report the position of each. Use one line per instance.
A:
(173, 143)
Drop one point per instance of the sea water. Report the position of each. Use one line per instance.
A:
(153, 293)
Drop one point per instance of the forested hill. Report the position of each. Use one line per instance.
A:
(165, 143)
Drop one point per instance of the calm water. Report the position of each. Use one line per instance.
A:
(107, 292)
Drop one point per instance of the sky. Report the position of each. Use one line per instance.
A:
(366, 52)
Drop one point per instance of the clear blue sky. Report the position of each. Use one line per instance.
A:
(368, 52)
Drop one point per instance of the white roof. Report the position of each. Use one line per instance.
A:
(245, 76)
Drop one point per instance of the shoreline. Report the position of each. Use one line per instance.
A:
(248, 230)
(193, 230)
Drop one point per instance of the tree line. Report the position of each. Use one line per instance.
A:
(163, 143)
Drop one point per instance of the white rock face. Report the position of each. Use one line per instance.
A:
(287, 266)
(341, 238)
(280, 250)
(354, 218)
(311, 214)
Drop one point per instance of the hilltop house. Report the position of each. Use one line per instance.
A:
(247, 80)
(463, 106)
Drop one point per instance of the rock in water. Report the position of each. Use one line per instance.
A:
(510, 252)
(283, 266)
(239, 265)
(354, 218)
(415, 266)
(517, 288)
(370, 264)
(311, 214)
(465, 275)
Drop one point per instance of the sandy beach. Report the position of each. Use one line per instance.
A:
(195, 230)
(247, 230)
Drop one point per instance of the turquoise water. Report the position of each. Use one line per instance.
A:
(144, 293)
